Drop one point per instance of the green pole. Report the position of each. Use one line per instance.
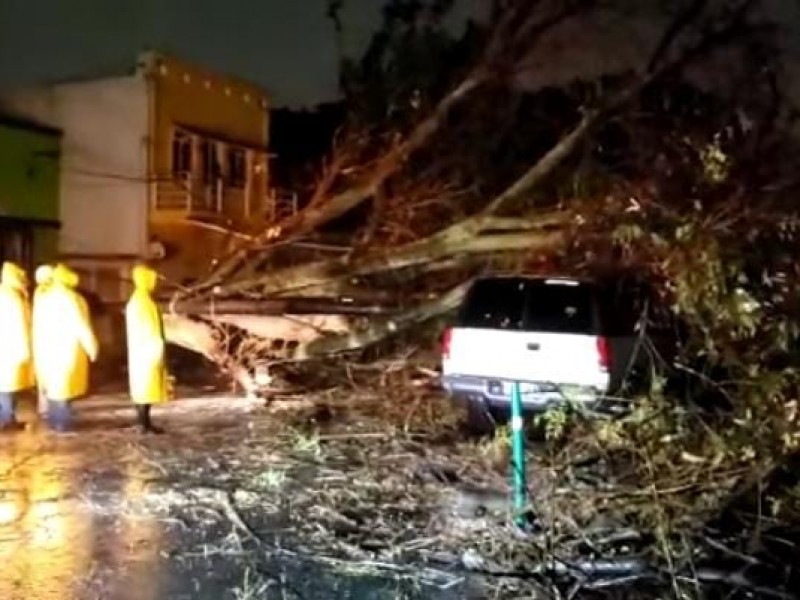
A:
(518, 456)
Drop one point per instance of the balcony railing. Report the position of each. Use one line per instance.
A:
(198, 198)
(192, 197)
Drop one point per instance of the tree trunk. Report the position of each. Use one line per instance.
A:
(454, 242)
(380, 330)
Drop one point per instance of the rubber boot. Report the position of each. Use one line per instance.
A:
(59, 415)
(8, 419)
(143, 418)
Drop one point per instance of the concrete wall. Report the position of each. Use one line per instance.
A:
(190, 249)
(117, 157)
(218, 108)
(104, 160)
(195, 97)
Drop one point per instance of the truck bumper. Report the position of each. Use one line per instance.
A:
(536, 396)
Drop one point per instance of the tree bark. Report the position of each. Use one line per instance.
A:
(315, 335)
(274, 306)
(300, 328)
(197, 336)
(452, 242)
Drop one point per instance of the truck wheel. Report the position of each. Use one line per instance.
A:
(479, 419)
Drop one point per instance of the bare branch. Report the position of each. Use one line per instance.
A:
(678, 25)
(220, 229)
(521, 20)
(335, 207)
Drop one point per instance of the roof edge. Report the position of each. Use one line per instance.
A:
(147, 61)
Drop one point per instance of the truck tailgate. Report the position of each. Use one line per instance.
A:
(558, 358)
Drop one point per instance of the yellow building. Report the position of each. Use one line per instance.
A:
(208, 162)
(157, 164)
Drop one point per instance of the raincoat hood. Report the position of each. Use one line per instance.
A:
(144, 278)
(13, 276)
(66, 276)
(43, 275)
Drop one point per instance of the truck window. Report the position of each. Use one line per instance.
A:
(560, 308)
(494, 304)
(621, 303)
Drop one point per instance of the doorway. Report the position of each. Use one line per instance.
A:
(16, 243)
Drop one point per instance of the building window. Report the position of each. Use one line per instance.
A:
(237, 167)
(209, 162)
(181, 154)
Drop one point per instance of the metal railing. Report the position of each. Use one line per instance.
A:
(193, 196)
(189, 194)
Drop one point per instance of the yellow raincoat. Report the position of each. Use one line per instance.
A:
(15, 337)
(44, 279)
(65, 339)
(147, 371)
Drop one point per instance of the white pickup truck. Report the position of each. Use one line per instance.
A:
(548, 334)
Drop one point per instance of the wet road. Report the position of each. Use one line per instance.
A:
(66, 529)
(78, 521)
(58, 528)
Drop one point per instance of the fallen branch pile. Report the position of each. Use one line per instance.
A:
(378, 482)
(433, 221)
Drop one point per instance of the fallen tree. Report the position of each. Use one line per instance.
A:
(693, 188)
(509, 222)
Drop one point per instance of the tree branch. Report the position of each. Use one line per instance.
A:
(679, 24)
(316, 215)
(452, 242)
(378, 331)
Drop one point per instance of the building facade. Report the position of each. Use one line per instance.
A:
(157, 164)
(29, 185)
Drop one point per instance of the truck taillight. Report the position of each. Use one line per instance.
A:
(446, 337)
(603, 353)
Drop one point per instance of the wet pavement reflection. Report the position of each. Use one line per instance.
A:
(66, 525)
(45, 540)
(55, 526)
(92, 515)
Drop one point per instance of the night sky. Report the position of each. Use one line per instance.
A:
(287, 46)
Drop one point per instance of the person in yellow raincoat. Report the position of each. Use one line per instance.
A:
(147, 370)
(44, 278)
(66, 343)
(15, 341)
